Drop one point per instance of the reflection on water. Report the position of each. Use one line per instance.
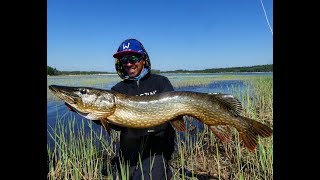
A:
(216, 87)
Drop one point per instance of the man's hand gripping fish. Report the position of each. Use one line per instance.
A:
(148, 111)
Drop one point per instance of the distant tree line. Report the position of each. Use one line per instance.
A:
(258, 68)
(155, 71)
(52, 71)
(84, 72)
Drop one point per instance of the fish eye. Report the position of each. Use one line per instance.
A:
(83, 91)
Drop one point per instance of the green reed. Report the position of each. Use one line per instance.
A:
(192, 81)
(77, 154)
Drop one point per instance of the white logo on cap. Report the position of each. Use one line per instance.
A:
(125, 47)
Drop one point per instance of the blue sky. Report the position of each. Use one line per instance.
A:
(177, 34)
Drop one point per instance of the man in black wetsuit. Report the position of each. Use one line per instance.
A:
(133, 66)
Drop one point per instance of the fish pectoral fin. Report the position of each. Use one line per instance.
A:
(178, 124)
(106, 126)
(222, 132)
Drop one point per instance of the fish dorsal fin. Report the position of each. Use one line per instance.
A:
(178, 124)
(231, 102)
(106, 126)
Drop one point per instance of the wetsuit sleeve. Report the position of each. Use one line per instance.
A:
(166, 85)
(112, 126)
(116, 127)
(98, 122)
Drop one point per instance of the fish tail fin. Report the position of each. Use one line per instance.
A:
(251, 133)
(222, 132)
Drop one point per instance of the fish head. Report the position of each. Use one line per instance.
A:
(91, 103)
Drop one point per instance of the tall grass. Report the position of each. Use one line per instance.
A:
(78, 153)
(199, 154)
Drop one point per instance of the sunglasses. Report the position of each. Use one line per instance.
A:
(132, 59)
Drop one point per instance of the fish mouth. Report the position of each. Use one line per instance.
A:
(68, 95)
(65, 93)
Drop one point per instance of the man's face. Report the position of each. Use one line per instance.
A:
(132, 64)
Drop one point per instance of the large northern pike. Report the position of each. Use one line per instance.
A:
(148, 111)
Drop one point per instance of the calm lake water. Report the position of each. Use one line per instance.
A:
(57, 109)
